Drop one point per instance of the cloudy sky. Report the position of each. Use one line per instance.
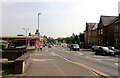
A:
(59, 18)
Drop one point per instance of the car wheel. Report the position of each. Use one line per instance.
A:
(96, 53)
(112, 54)
(92, 50)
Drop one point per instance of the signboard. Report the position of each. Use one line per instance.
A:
(37, 43)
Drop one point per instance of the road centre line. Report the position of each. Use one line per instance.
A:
(92, 69)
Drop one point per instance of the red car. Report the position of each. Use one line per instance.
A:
(49, 46)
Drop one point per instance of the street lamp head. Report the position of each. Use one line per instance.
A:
(39, 13)
(23, 28)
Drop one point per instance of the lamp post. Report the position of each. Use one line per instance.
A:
(38, 30)
(26, 35)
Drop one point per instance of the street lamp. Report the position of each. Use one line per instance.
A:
(38, 21)
(26, 35)
(38, 30)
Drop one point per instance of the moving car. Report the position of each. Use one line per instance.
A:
(116, 51)
(94, 48)
(49, 46)
(104, 51)
(74, 47)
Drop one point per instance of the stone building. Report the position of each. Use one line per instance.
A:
(91, 34)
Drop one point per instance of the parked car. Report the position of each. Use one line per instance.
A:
(74, 47)
(94, 48)
(13, 46)
(49, 46)
(24, 46)
(104, 51)
(116, 51)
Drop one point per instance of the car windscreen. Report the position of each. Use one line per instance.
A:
(105, 48)
(75, 45)
(111, 48)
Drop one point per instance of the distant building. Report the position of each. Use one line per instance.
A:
(20, 40)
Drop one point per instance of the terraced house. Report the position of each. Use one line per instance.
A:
(105, 33)
(91, 34)
(114, 33)
(104, 36)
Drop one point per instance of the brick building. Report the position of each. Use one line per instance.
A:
(104, 36)
(117, 33)
(91, 34)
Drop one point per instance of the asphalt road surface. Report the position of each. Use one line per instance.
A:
(106, 64)
(60, 61)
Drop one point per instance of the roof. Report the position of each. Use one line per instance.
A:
(118, 20)
(91, 26)
(17, 37)
(95, 26)
(106, 20)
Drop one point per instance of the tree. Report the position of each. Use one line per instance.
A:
(51, 40)
(81, 37)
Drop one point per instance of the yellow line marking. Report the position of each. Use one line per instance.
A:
(94, 70)
(98, 72)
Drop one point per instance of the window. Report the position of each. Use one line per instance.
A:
(101, 31)
(116, 28)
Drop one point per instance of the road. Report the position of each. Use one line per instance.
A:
(60, 61)
(106, 64)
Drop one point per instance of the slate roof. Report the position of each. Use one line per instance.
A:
(118, 20)
(91, 26)
(95, 26)
(106, 20)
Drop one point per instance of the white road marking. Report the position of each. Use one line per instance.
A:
(98, 59)
(80, 53)
(93, 58)
(67, 52)
(94, 73)
(116, 64)
(70, 61)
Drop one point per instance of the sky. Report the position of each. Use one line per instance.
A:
(58, 18)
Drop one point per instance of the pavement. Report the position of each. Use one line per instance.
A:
(46, 63)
